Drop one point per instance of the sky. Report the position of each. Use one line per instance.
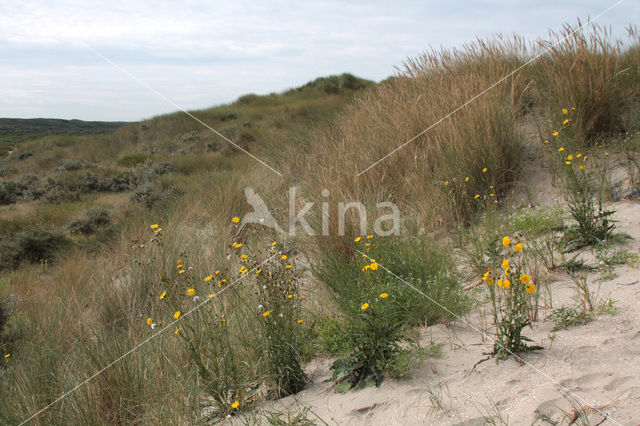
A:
(131, 60)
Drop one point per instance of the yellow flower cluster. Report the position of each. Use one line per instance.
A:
(503, 280)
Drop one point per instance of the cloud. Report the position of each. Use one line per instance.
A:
(201, 53)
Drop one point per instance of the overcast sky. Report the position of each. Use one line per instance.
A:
(200, 54)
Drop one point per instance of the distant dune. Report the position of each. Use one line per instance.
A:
(56, 126)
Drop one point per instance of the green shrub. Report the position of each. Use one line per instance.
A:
(75, 164)
(33, 245)
(133, 160)
(93, 219)
(9, 192)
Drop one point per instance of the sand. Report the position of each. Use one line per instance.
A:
(594, 368)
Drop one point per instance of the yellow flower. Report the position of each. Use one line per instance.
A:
(565, 111)
(181, 271)
(266, 313)
(154, 226)
(565, 121)
(357, 239)
(477, 196)
(505, 264)
(506, 283)
(384, 295)
(524, 278)
(578, 155)
(568, 163)
(290, 296)
(546, 141)
(177, 315)
(446, 182)
(374, 266)
(235, 404)
(506, 241)
(149, 321)
(490, 280)
(208, 278)
(560, 149)
(191, 292)
(179, 261)
(7, 356)
(210, 295)
(274, 243)
(582, 167)
(466, 179)
(164, 293)
(484, 170)
(177, 331)
(499, 283)
(530, 288)
(236, 219)
(283, 257)
(366, 267)
(369, 237)
(300, 321)
(243, 270)
(288, 267)
(555, 133)
(606, 153)
(517, 248)
(364, 306)
(237, 245)
(570, 157)
(258, 271)
(485, 276)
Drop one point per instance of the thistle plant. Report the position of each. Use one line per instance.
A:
(512, 296)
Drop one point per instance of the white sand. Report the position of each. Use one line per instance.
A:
(596, 365)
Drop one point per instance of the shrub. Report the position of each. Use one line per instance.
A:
(39, 244)
(24, 155)
(75, 164)
(133, 160)
(9, 192)
(93, 219)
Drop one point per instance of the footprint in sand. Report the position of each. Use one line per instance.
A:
(618, 383)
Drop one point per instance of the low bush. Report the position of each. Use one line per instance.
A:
(133, 160)
(92, 220)
(33, 245)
